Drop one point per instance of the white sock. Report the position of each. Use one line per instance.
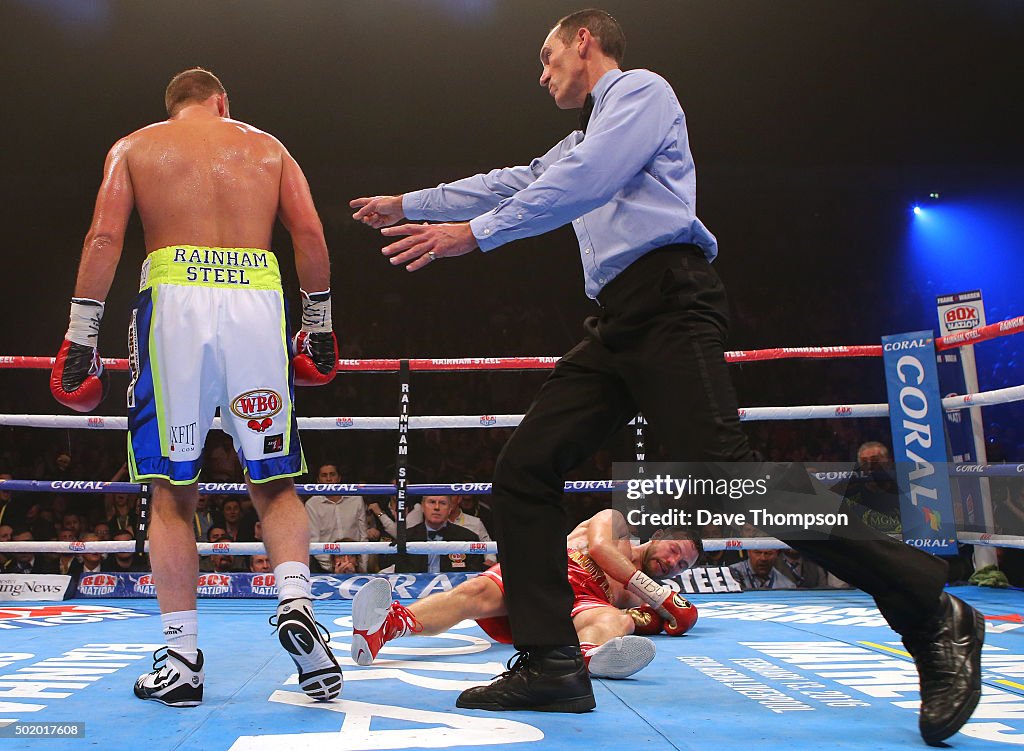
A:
(181, 632)
(292, 581)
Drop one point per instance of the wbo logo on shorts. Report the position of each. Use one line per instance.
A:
(257, 404)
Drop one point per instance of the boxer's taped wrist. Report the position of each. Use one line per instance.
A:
(316, 311)
(84, 326)
(647, 589)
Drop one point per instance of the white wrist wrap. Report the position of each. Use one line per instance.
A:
(84, 327)
(316, 311)
(647, 589)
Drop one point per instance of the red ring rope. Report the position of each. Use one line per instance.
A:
(436, 365)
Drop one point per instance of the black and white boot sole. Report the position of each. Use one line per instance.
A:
(320, 675)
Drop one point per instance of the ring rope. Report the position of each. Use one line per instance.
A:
(239, 488)
(254, 548)
(439, 365)
(425, 422)
(991, 540)
(341, 548)
(457, 488)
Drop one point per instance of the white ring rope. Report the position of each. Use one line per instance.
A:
(343, 548)
(747, 414)
(254, 548)
(991, 540)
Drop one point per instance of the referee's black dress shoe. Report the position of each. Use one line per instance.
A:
(549, 679)
(947, 652)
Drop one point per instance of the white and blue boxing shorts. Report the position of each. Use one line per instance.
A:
(208, 331)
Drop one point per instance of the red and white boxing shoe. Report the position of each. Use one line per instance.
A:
(620, 657)
(376, 620)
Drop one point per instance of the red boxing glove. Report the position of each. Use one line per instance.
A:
(78, 379)
(646, 620)
(316, 358)
(315, 349)
(679, 613)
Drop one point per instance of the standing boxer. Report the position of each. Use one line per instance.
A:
(208, 331)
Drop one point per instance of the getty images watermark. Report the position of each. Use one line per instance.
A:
(742, 498)
(752, 491)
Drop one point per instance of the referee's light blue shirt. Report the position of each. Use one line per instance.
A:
(628, 187)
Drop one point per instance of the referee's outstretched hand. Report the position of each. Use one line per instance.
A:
(422, 244)
(378, 211)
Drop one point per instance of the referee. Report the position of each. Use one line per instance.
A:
(625, 181)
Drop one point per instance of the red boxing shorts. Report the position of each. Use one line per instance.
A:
(589, 587)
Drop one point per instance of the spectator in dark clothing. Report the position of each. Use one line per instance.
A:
(6, 534)
(804, 573)
(13, 506)
(236, 525)
(87, 563)
(102, 531)
(123, 517)
(66, 560)
(435, 527)
(30, 563)
(124, 562)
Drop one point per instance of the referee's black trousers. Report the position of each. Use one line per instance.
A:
(658, 347)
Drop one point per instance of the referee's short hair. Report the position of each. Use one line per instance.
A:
(602, 27)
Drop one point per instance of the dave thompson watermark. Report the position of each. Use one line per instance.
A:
(734, 498)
